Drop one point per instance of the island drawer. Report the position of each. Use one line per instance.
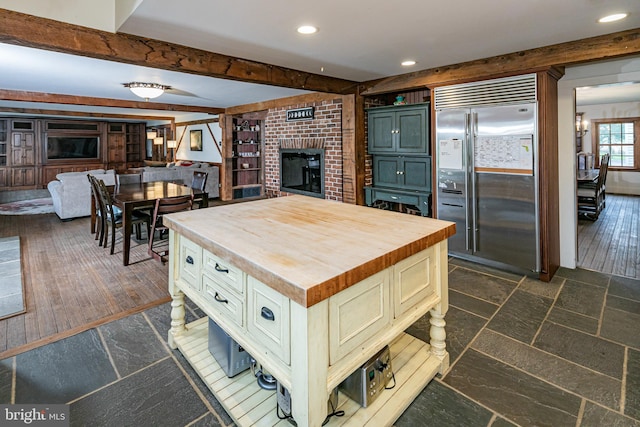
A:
(223, 271)
(223, 301)
(414, 281)
(268, 319)
(190, 260)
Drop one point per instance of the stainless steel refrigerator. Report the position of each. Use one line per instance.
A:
(487, 181)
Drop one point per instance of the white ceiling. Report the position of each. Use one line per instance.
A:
(357, 40)
(608, 94)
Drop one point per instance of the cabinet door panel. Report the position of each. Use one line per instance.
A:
(358, 313)
(4, 177)
(414, 281)
(23, 177)
(412, 135)
(381, 126)
(385, 171)
(417, 173)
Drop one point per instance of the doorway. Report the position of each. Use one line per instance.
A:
(609, 244)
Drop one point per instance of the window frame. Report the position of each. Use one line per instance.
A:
(595, 141)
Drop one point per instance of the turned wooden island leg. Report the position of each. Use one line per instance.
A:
(177, 303)
(177, 317)
(437, 332)
(438, 337)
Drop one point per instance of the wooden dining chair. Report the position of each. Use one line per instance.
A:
(591, 196)
(199, 182)
(159, 247)
(113, 217)
(99, 226)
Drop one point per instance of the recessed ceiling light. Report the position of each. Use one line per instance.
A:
(307, 29)
(614, 17)
(408, 63)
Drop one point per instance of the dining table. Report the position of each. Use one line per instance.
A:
(144, 195)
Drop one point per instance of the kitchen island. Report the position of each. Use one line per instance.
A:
(311, 289)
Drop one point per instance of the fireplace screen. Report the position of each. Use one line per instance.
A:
(302, 171)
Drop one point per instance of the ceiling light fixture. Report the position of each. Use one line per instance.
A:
(408, 63)
(307, 29)
(146, 90)
(613, 18)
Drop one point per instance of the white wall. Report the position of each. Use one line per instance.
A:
(98, 14)
(209, 153)
(617, 71)
(619, 182)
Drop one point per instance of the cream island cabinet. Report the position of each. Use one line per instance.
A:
(311, 289)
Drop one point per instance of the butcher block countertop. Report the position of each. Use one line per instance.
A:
(307, 248)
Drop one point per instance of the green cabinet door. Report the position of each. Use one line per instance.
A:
(417, 173)
(381, 132)
(412, 131)
(386, 171)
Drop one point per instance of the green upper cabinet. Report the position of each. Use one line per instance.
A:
(399, 129)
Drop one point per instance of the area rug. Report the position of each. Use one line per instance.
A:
(11, 289)
(27, 207)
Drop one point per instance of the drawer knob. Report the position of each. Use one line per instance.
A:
(267, 314)
(218, 298)
(189, 259)
(220, 269)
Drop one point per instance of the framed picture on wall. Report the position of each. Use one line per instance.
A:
(196, 140)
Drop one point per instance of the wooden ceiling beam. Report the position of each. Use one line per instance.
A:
(50, 98)
(41, 33)
(64, 113)
(606, 47)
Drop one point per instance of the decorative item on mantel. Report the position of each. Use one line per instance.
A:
(399, 100)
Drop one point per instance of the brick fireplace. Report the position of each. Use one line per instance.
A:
(324, 133)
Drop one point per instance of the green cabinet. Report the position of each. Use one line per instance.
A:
(398, 140)
(399, 129)
(405, 172)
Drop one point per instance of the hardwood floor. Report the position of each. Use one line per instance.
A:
(610, 244)
(71, 284)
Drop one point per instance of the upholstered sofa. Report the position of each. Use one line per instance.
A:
(71, 192)
(184, 175)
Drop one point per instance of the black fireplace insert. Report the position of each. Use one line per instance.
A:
(302, 171)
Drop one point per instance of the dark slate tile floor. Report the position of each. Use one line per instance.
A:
(523, 352)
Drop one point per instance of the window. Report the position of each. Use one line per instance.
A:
(618, 138)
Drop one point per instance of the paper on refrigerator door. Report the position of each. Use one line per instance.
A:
(450, 154)
(504, 154)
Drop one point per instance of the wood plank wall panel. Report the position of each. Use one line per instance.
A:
(71, 284)
(352, 153)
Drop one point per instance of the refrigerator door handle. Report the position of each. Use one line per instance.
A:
(465, 154)
(473, 192)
